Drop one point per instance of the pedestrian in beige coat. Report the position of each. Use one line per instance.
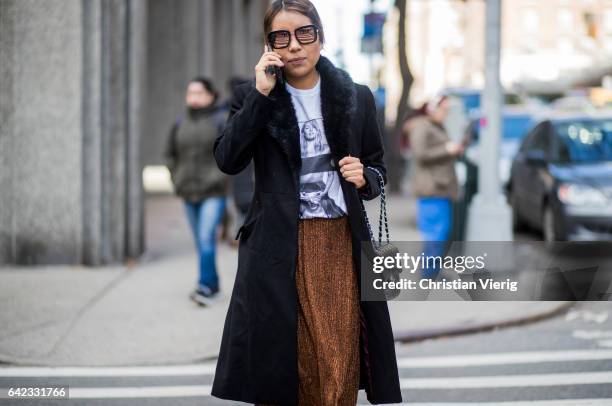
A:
(433, 176)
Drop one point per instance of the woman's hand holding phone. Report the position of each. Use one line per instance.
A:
(264, 82)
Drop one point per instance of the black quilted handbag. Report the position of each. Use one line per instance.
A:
(380, 248)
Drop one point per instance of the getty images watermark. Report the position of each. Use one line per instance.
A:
(475, 271)
(432, 263)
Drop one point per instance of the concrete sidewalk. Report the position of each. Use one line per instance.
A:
(141, 314)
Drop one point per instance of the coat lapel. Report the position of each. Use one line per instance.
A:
(283, 126)
(338, 107)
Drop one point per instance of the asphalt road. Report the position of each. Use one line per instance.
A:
(562, 361)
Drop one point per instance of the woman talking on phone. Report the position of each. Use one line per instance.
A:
(296, 331)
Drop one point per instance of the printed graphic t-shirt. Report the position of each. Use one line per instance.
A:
(320, 190)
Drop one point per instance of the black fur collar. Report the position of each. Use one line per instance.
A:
(338, 107)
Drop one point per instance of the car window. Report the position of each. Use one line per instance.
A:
(583, 141)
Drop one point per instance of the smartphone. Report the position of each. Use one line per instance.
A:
(275, 70)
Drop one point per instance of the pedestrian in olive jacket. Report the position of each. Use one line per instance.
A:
(198, 180)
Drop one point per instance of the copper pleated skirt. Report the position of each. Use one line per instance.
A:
(328, 314)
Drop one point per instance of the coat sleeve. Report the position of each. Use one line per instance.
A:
(372, 150)
(248, 114)
(422, 151)
(170, 152)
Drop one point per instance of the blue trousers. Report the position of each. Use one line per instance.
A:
(434, 222)
(204, 218)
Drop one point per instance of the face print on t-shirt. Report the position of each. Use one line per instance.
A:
(312, 139)
(320, 189)
(319, 185)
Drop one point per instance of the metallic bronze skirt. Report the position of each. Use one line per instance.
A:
(328, 314)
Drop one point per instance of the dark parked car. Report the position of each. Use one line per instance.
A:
(561, 178)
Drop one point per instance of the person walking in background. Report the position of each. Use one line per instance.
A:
(433, 177)
(296, 331)
(198, 180)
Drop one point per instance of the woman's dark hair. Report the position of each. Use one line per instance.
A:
(207, 84)
(303, 7)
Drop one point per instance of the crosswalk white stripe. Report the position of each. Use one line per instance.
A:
(525, 357)
(605, 343)
(509, 358)
(141, 392)
(555, 402)
(507, 381)
(174, 370)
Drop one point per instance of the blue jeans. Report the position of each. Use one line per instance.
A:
(204, 218)
(434, 223)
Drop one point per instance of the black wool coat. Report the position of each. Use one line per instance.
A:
(258, 356)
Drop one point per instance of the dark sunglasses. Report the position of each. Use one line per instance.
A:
(282, 38)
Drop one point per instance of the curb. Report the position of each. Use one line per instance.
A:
(401, 337)
(420, 335)
(7, 361)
